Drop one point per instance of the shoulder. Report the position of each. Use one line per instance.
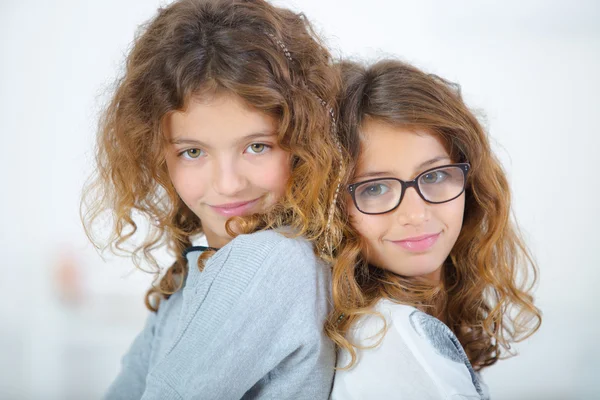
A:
(284, 267)
(437, 348)
(260, 258)
(413, 344)
(272, 249)
(371, 328)
(385, 353)
(419, 328)
(265, 259)
(424, 330)
(416, 329)
(272, 240)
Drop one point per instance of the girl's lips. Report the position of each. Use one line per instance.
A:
(419, 243)
(235, 209)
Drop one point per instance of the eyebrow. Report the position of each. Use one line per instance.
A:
(420, 167)
(434, 160)
(199, 143)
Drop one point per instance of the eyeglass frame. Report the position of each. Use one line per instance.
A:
(405, 185)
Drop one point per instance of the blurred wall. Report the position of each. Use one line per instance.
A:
(531, 68)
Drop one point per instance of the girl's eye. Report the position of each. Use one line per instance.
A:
(374, 190)
(434, 177)
(191, 154)
(257, 148)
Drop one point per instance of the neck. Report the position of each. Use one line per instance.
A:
(216, 241)
(434, 277)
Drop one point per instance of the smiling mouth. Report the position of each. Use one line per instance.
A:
(235, 209)
(418, 244)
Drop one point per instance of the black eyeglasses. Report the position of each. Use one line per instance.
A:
(437, 185)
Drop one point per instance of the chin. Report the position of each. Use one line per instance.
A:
(416, 269)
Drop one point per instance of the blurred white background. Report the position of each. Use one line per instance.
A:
(530, 66)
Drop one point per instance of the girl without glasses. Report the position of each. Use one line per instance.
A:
(431, 280)
(219, 127)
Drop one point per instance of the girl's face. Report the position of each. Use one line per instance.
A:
(415, 238)
(224, 161)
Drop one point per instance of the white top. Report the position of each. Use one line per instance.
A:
(418, 358)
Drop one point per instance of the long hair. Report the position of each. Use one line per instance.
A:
(270, 58)
(485, 291)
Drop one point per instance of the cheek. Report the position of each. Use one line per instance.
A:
(186, 183)
(274, 176)
(369, 227)
(452, 216)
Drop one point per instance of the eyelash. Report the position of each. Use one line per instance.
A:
(266, 147)
(183, 153)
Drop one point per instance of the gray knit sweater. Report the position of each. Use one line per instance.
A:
(249, 326)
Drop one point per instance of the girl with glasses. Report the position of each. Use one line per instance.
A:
(220, 127)
(432, 282)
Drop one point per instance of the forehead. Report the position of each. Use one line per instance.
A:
(218, 118)
(385, 147)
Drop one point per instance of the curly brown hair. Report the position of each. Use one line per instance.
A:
(271, 58)
(485, 291)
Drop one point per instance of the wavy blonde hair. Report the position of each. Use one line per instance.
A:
(269, 57)
(485, 292)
